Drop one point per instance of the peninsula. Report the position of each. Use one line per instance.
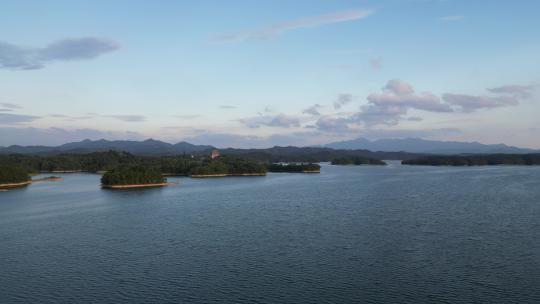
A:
(13, 176)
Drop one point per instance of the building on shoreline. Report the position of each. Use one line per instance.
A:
(214, 154)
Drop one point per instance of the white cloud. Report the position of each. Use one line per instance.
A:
(308, 22)
(312, 110)
(471, 103)
(279, 120)
(395, 100)
(128, 118)
(342, 100)
(333, 124)
(521, 91)
(398, 87)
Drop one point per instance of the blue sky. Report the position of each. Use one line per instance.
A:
(260, 73)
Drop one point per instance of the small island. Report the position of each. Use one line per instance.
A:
(133, 177)
(476, 160)
(13, 176)
(356, 161)
(295, 168)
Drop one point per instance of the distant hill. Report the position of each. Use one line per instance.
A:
(417, 145)
(380, 149)
(152, 147)
(147, 147)
(313, 154)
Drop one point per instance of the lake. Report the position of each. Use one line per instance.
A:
(367, 234)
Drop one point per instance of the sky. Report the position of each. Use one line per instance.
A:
(264, 73)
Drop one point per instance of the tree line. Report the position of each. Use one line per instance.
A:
(476, 160)
(294, 167)
(356, 160)
(133, 175)
(106, 161)
(10, 174)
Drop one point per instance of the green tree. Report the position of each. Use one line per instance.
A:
(13, 174)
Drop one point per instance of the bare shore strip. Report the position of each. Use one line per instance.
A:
(225, 175)
(28, 182)
(15, 185)
(136, 186)
(47, 179)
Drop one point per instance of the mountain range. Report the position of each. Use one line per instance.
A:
(147, 147)
(417, 145)
(156, 147)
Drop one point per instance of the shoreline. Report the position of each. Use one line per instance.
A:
(300, 172)
(173, 174)
(48, 179)
(15, 185)
(133, 186)
(30, 181)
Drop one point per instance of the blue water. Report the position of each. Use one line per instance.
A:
(394, 234)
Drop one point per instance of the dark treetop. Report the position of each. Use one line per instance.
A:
(136, 175)
(13, 174)
(105, 161)
(356, 160)
(294, 168)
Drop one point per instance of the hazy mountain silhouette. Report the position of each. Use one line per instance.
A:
(417, 145)
(156, 147)
(147, 147)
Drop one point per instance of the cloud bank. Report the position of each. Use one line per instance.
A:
(9, 105)
(15, 57)
(12, 119)
(342, 100)
(394, 102)
(391, 106)
(471, 103)
(129, 118)
(279, 120)
(313, 110)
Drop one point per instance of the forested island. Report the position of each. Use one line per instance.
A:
(100, 162)
(476, 160)
(184, 165)
(356, 160)
(13, 176)
(133, 177)
(295, 168)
